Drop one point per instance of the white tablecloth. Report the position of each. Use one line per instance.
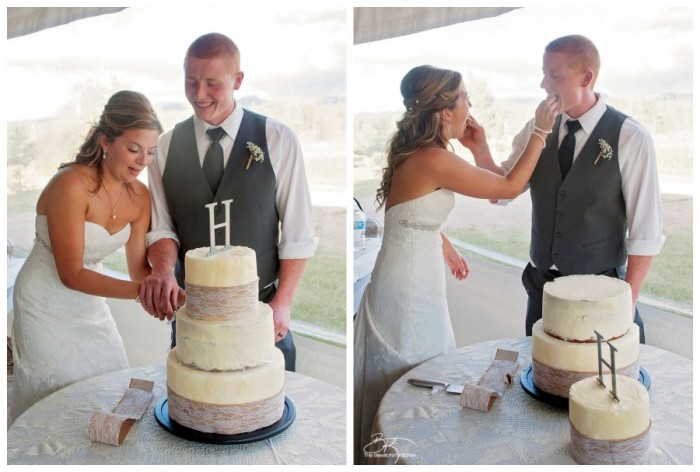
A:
(423, 427)
(55, 430)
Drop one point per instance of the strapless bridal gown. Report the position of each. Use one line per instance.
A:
(61, 336)
(403, 318)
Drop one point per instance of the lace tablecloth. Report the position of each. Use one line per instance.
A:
(55, 430)
(417, 426)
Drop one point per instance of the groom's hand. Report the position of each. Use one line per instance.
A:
(281, 314)
(161, 296)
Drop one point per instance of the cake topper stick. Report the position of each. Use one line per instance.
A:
(213, 226)
(610, 365)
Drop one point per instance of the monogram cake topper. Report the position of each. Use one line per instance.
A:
(611, 364)
(213, 226)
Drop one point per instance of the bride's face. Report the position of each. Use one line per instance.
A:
(130, 153)
(460, 113)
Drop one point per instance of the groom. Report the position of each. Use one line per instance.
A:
(225, 152)
(591, 213)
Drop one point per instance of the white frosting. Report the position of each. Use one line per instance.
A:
(582, 357)
(235, 344)
(596, 414)
(226, 388)
(227, 268)
(576, 305)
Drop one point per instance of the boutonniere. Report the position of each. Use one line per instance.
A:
(606, 151)
(255, 153)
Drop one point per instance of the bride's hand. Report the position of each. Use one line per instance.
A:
(474, 134)
(547, 112)
(455, 261)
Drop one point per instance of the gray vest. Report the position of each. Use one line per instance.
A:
(254, 218)
(579, 224)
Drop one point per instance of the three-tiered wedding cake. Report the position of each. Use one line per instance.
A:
(225, 375)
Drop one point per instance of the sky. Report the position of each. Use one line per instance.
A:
(644, 50)
(280, 53)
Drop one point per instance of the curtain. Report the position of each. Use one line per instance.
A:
(27, 20)
(374, 24)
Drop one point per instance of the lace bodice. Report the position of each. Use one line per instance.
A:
(99, 243)
(422, 214)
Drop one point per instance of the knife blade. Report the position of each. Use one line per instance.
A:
(449, 387)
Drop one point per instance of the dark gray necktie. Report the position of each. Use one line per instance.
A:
(566, 150)
(213, 166)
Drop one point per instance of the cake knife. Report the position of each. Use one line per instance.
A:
(449, 387)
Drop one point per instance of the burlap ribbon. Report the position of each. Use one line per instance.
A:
(221, 303)
(225, 419)
(112, 427)
(559, 381)
(492, 384)
(587, 450)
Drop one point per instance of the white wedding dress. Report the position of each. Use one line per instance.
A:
(61, 336)
(403, 318)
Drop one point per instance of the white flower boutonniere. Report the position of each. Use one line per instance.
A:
(606, 151)
(255, 153)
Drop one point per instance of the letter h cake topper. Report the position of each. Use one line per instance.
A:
(611, 365)
(213, 226)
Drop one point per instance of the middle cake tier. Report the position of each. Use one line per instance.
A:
(226, 388)
(215, 345)
(582, 357)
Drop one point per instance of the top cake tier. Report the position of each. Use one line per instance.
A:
(575, 306)
(232, 267)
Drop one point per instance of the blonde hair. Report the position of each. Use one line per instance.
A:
(426, 91)
(125, 110)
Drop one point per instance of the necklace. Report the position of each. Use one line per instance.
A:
(113, 204)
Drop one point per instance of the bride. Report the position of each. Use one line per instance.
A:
(403, 319)
(63, 330)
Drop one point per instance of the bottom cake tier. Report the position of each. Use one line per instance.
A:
(229, 402)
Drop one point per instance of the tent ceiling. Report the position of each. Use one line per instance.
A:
(374, 24)
(27, 20)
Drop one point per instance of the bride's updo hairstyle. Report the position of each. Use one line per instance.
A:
(124, 111)
(426, 91)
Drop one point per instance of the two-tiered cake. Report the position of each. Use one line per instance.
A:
(564, 348)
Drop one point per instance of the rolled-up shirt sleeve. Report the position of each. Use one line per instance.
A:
(161, 223)
(293, 197)
(640, 187)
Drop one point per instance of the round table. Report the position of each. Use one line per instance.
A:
(55, 430)
(419, 426)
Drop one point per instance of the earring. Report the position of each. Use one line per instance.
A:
(104, 154)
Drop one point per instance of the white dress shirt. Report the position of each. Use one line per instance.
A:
(640, 180)
(292, 197)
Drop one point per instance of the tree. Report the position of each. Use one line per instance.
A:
(21, 152)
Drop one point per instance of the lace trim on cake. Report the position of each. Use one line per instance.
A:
(42, 243)
(559, 381)
(587, 450)
(419, 226)
(221, 303)
(225, 419)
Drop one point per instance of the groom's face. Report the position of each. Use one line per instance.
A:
(562, 80)
(209, 87)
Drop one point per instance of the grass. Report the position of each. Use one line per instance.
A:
(670, 277)
(320, 297)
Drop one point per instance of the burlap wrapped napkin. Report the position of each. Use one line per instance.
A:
(492, 384)
(112, 428)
